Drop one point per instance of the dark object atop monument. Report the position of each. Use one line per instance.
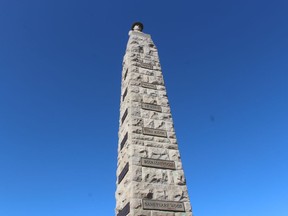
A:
(138, 26)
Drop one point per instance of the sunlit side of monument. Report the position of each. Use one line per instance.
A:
(150, 177)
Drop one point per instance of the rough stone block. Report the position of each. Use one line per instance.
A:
(158, 153)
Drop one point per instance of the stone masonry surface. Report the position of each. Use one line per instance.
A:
(150, 177)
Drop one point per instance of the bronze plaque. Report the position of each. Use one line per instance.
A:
(154, 132)
(125, 75)
(164, 164)
(163, 205)
(148, 85)
(125, 93)
(125, 210)
(123, 141)
(123, 173)
(124, 116)
(151, 107)
(145, 65)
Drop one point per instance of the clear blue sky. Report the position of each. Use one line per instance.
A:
(225, 65)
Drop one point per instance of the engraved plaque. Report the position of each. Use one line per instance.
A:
(154, 132)
(125, 93)
(148, 85)
(124, 140)
(163, 205)
(124, 116)
(125, 75)
(145, 65)
(164, 164)
(151, 107)
(125, 210)
(123, 173)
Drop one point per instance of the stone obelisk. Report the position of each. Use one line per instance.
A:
(150, 177)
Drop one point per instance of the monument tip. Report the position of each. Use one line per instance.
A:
(137, 26)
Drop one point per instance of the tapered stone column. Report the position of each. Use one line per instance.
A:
(150, 177)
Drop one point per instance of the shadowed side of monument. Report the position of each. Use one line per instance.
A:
(150, 177)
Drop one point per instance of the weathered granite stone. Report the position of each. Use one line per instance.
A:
(158, 213)
(146, 131)
(156, 176)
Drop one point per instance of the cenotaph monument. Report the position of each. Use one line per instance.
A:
(150, 177)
